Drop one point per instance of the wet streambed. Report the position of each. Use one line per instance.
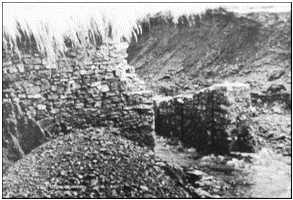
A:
(261, 175)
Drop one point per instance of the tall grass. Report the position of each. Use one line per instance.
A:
(49, 25)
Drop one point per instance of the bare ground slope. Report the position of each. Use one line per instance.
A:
(219, 46)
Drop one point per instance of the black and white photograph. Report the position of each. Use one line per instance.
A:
(143, 100)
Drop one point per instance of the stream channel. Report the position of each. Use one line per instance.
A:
(246, 175)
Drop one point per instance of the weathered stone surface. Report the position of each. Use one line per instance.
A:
(41, 107)
(244, 138)
(83, 72)
(34, 96)
(12, 69)
(20, 133)
(276, 88)
(276, 75)
(204, 120)
(85, 89)
(33, 90)
(20, 68)
(105, 88)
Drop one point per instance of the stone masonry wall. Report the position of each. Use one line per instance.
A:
(268, 100)
(205, 119)
(87, 87)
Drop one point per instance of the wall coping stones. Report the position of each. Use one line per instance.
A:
(139, 107)
(139, 92)
(230, 86)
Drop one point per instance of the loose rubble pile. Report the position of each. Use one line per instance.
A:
(92, 163)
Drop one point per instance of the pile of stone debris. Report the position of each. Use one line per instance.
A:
(92, 163)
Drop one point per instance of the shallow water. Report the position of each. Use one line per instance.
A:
(270, 175)
(261, 175)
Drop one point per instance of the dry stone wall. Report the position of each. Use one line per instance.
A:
(20, 134)
(206, 119)
(84, 88)
(268, 100)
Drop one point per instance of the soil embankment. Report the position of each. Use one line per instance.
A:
(215, 47)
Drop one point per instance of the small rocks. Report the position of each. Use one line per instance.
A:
(202, 193)
(143, 187)
(105, 88)
(277, 109)
(63, 173)
(196, 173)
(276, 75)
(270, 135)
(101, 175)
(83, 72)
(60, 133)
(281, 137)
(276, 88)
(79, 176)
(161, 164)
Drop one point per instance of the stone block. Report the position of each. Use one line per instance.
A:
(83, 72)
(22, 96)
(36, 67)
(7, 64)
(104, 88)
(41, 107)
(20, 68)
(34, 96)
(51, 66)
(33, 90)
(54, 88)
(12, 69)
(109, 75)
(53, 97)
(79, 105)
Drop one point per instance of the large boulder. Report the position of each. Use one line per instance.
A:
(20, 133)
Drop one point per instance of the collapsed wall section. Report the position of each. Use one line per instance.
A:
(20, 134)
(87, 87)
(206, 119)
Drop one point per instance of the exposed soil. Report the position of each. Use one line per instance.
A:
(253, 48)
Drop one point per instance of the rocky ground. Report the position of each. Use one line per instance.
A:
(274, 130)
(91, 164)
(265, 174)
